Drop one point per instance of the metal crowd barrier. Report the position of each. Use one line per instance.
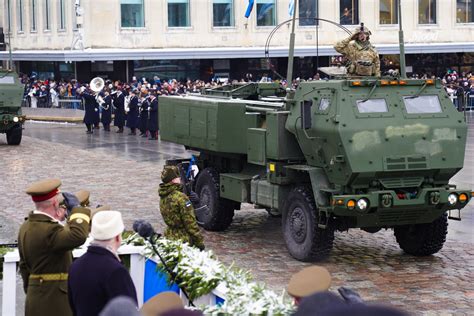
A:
(62, 103)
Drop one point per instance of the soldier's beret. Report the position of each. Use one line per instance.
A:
(44, 190)
(169, 173)
(162, 303)
(308, 281)
(83, 197)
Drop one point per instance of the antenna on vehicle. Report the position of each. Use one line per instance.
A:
(403, 72)
(291, 52)
(10, 65)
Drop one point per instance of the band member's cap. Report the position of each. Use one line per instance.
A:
(44, 190)
(308, 281)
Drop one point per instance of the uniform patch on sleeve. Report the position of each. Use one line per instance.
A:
(188, 203)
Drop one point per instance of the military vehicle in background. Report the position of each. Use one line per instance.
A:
(330, 155)
(11, 94)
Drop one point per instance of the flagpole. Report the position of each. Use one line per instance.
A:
(291, 52)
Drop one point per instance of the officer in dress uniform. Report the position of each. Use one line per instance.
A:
(119, 109)
(153, 116)
(177, 210)
(45, 244)
(363, 59)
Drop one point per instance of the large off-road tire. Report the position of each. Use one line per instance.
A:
(423, 239)
(221, 211)
(304, 239)
(14, 135)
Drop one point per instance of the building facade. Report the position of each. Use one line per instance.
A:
(206, 38)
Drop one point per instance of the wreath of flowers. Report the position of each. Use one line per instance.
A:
(199, 272)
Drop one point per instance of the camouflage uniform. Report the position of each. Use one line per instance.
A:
(362, 56)
(178, 214)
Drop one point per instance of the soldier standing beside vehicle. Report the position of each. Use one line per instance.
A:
(177, 210)
(363, 59)
(45, 246)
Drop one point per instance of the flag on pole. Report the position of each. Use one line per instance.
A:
(291, 8)
(249, 8)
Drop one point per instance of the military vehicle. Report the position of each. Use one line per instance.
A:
(349, 152)
(11, 119)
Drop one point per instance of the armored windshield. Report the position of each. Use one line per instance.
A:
(422, 104)
(372, 106)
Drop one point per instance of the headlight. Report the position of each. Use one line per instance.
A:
(452, 198)
(15, 119)
(362, 204)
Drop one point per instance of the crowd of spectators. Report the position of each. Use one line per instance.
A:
(65, 94)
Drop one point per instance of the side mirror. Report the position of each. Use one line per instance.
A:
(306, 114)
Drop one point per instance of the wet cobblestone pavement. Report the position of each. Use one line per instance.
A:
(123, 172)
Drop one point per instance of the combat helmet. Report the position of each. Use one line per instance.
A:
(362, 28)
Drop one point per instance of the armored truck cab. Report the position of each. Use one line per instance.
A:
(331, 155)
(11, 120)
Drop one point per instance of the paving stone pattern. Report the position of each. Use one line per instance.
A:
(372, 264)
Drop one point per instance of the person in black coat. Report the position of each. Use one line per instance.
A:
(144, 115)
(98, 276)
(119, 110)
(132, 116)
(91, 109)
(153, 116)
(106, 116)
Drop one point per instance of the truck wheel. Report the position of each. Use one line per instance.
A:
(221, 211)
(422, 239)
(304, 239)
(14, 135)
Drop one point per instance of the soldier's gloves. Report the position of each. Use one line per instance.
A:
(350, 296)
(71, 201)
(194, 198)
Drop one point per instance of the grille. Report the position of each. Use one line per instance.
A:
(394, 183)
(405, 163)
(2, 103)
(388, 217)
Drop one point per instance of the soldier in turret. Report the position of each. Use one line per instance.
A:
(363, 59)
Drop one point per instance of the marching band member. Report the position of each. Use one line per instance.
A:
(153, 115)
(119, 109)
(132, 116)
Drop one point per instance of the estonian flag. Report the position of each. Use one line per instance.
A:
(249, 8)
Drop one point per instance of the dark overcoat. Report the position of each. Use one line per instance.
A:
(132, 116)
(119, 112)
(153, 120)
(95, 279)
(91, 113)
(144, 115)
(106, 116)
(45, 249)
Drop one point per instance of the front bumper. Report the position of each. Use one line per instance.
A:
(7, 121)
(386, 208)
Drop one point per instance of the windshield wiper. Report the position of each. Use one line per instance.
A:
(370, 93)
(418, 93)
